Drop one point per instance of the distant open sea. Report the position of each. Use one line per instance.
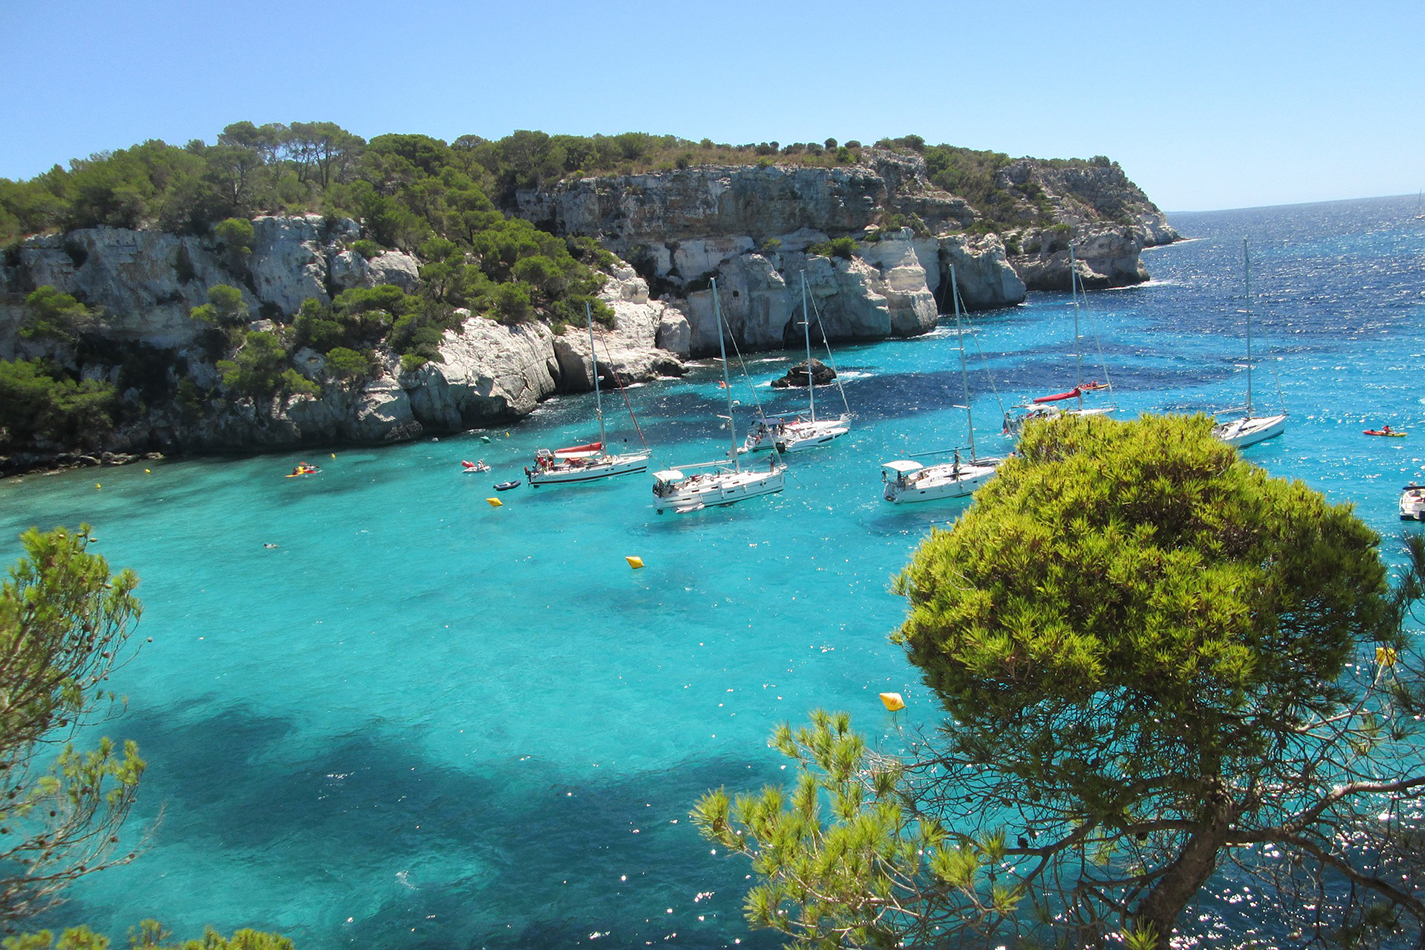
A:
(421, 721)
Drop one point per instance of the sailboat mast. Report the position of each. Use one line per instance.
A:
(722, 350)
(806, 326)
(1078, 352)
(964, 372)
(1247, 285)
(594, 356)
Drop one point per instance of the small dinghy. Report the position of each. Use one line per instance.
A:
(506, 486)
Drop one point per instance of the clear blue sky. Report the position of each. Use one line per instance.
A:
(1206, 104)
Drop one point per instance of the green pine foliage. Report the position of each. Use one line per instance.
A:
(44, 408)
(258, 368)
(51, 315)
(1151, 658)
(149, 935)
(842, 247)
(65, 624)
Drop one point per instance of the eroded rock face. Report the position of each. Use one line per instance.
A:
(751, 229)
(289, 261)
(635, 349)
(145, 282)
(1105, 257)
(491, 373)
(1085, 197)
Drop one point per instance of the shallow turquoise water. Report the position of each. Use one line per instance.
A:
(421, 721)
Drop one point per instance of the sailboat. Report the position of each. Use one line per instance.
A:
(798, 435)
(1044, 407)
(588, 462)
(907, 480)
(715, 483)
(1248, 429)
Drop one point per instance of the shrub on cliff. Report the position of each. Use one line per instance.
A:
(257, 368)
(350, 366)
(316, 326)
(236, 236)
(842, 247)
(225, 308)
(55, 316)
(41, 405)
(512, 303)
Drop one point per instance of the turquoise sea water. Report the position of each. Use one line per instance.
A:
(421, 721)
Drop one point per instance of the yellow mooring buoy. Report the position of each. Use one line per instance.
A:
(495, 503)
(893, 701)
(634, 562)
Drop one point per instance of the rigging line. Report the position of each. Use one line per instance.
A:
(1098, 345)
(1281, 399)
(831, 360)
(747, 378)
(984, 361)
(624, 393)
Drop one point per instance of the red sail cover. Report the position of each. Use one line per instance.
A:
(579, 451)
(1058, 396)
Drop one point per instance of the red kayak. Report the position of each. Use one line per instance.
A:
(1388, 432)
(1058, 396)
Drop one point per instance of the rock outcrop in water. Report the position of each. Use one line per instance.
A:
(875, 244)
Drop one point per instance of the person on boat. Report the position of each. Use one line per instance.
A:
(1385, 428)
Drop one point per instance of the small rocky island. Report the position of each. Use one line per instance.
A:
(429, 313)
(799, 377)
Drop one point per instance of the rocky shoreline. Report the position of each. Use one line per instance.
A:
(755, 230)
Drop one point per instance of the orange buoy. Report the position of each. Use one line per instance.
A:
(893, 701)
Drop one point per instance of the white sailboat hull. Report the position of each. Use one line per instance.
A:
(712, 489)
(1412, 503)
(934, 482)
(805, 435)
(1250, 430)
(587, 470)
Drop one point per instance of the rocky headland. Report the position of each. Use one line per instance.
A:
(875, 242)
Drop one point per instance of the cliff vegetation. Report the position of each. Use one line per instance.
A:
(290, 284)
(408, 188)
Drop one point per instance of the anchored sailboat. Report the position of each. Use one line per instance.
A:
(588, 462)
(907, 480)
(1044, 407)
(795, 436)
(1248, 429)
(683, 490)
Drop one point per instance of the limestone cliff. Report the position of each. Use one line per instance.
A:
(1109, 219)
(754, 229)
(875, 242)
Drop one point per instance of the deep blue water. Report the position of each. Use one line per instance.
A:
(422, 721)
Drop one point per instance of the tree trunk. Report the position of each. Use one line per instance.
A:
(1185, 876)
